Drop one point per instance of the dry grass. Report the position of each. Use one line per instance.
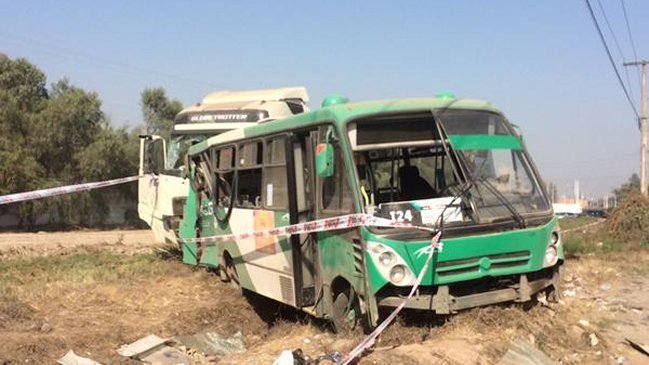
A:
(93, 301)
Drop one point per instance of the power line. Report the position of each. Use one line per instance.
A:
(610, 58)
(115, 65)
(610, 29)
(617, 45)
(628, 28)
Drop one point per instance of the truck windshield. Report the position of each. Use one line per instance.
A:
(178, 146)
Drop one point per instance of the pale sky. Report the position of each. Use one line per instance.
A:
(540, 62)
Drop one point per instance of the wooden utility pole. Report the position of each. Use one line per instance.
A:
(643, 126)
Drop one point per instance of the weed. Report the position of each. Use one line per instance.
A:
(592, 243)
(169, 252)
(570, 223)
(84, 267)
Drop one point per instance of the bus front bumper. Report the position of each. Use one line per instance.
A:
(443, 302)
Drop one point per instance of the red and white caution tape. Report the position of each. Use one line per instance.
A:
(44, 193)
(341, 222)
(320, 225)
(368, 341)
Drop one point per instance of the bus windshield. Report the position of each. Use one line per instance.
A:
(409, 175)
(502, 176)
(504, 183)
(178, 146)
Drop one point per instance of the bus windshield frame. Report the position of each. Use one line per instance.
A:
(414, 170)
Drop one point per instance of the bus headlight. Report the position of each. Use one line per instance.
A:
(554, 238)
(552, 251)
(390, 264)
(397, 274)
(385, 258)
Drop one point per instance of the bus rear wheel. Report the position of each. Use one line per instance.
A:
(345, 314)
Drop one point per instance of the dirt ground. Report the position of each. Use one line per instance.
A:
(92, 292)
(47, 242)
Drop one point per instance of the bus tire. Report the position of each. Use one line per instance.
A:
(345, 313)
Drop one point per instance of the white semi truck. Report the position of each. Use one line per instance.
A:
(163, 189)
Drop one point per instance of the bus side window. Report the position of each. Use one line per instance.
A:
(275, 182)
(336, 190)
(249, 174)
(224, 177)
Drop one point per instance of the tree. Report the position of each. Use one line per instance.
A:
(71, 120)
(22, 95)
(58, 138)
(159, 111)
(633, 184)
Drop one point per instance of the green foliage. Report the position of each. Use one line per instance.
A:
(632, 185)
(111, 153)
(85, 267)
(159, 111)
(70, 121)
(570, 223)
(58, 138)
(22, 85)
(577, 243)
(61, 137)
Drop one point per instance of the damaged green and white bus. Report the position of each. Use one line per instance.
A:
(403, 160)
(163, 188)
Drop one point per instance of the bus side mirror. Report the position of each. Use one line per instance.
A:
(324, 160)
(518, 131)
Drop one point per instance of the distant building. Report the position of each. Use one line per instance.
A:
(567, 209)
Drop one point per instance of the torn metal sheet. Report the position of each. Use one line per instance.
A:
(153, 349)
(141, 346)
(523, 353)
(638, 346)
(212, 343)
(73, 359)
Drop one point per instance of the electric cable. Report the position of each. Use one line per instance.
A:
(617, 45)
(628, 28)
(102, 62)
(610, 58)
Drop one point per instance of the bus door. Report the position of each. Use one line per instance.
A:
(340, 251)
(304, 246)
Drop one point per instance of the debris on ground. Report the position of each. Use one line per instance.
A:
(297, 357)
(154, 349)
(594, 341)
(212, 343)
(638, 346)
(524, 353)
(285, 358)
(73, 359)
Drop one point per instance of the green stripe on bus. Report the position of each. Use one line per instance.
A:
(484, 142)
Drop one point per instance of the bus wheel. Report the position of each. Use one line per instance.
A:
(231, 271)
(345, 311)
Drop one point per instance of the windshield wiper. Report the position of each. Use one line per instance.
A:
(515, 214)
